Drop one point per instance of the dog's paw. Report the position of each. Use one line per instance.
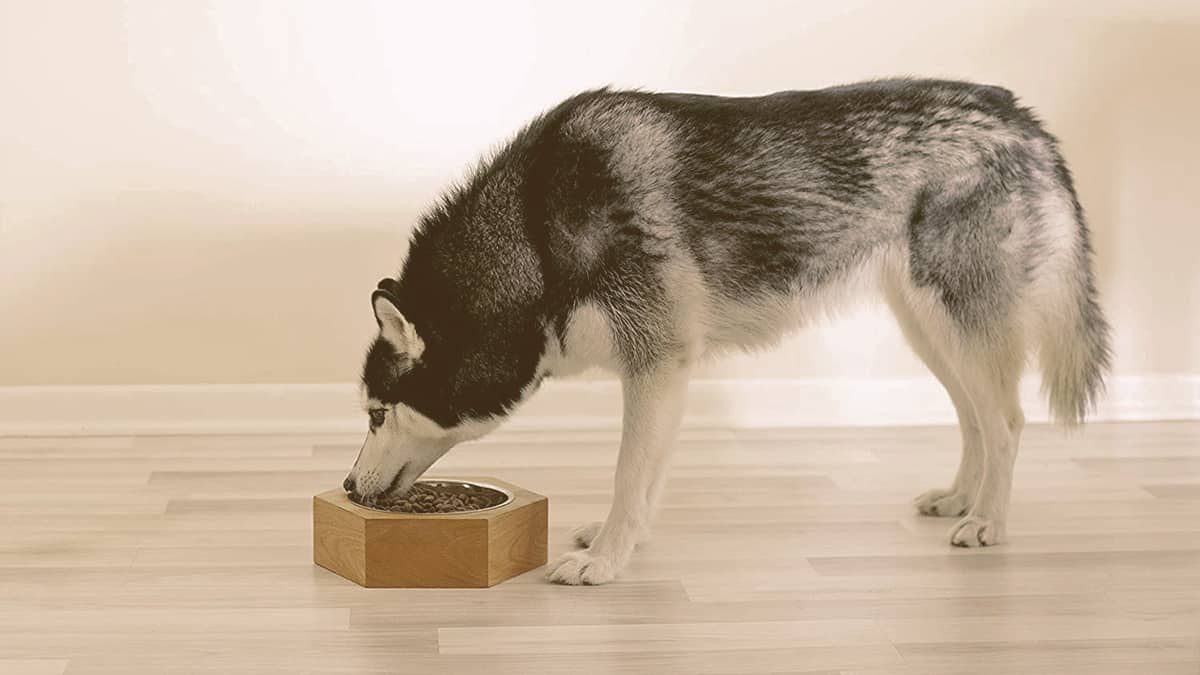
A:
(944, 503)
(581, 568)
(583, 535)
(976, 530)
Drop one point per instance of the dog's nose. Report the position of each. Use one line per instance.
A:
(348, 484)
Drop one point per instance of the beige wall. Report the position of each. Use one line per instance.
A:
(207, 191)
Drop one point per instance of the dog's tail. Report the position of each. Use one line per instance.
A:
(1075, 352)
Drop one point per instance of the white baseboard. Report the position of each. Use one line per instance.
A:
(561, 405)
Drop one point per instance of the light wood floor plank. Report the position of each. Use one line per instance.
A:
(34, 666)
(653, 637)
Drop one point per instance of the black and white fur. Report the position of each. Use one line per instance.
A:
(643, 232)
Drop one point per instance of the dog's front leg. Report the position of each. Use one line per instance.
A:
(654, 402)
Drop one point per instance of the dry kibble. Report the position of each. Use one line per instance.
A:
(443, 497)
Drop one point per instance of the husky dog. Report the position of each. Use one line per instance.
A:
(641, 232)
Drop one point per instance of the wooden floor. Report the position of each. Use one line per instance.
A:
(778, 551)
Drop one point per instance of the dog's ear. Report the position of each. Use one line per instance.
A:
(390, 285)
(394, 327)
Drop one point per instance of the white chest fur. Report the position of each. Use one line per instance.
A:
(587, 343)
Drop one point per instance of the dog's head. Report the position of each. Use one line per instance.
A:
(422, 398)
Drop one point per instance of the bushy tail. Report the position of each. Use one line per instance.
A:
(1075, 352)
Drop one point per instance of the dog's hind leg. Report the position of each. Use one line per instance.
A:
(970, 247)
(991, 375)
(654, 401)
(928, 336)
(980, 366)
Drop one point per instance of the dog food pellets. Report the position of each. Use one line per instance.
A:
(442, 497)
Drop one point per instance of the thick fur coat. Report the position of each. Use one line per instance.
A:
(643, 232)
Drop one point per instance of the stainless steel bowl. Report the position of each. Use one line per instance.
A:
(498, 496)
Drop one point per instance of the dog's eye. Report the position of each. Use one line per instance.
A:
(377, 417)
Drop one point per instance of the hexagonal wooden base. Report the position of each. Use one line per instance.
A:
(455, 550)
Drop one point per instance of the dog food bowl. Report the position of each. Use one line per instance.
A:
(476, 548)
(475, 497)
